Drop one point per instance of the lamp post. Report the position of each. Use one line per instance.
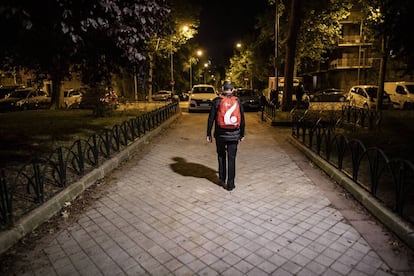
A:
(183, 31)
(199, 53)
(205, 72)
(172, 68)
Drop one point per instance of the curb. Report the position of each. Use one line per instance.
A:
(48, 209)
(391, 220)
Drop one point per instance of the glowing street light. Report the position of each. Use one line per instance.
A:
(186, 32)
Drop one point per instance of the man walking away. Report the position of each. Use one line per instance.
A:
(227, 115)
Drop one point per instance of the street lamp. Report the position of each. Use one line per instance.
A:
(205, 71)
(199, 54)
(172, 68)
(186, 32)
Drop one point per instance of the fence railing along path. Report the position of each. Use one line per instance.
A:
(24, 188)
(389, 180)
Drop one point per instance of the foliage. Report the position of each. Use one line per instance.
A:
(99, 36)
(264, 45)
(182, 27)
(320, 29)
(391, 20)
(241, 68)
(318, 34)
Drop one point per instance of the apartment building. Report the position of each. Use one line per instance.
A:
(354, 61)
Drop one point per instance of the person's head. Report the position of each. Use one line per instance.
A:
(228, 87)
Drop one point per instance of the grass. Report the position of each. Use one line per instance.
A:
(395, 136)
(31, 133)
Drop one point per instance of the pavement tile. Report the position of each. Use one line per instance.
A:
(133, 271)
(341, 268)
(89, 270)
(66, 270)
(254, 259)
(316, 267)
(208, 271)
(220, 266)
(281, 272)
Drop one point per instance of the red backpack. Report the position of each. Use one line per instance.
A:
(228, 114)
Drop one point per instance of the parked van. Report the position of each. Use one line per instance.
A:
(401, 94)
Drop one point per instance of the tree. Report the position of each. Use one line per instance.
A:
(241, 68)
(317, 30)
(314, 29)
(97, 36)
(162, 49)
(290, 54)
(389, 22)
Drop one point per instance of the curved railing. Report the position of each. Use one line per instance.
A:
(391, 181)
(361, 117)
(25, 187)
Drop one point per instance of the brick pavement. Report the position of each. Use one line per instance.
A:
(163, 214)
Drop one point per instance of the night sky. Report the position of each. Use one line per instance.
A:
(225, 22)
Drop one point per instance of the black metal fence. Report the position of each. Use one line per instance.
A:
(361, 117)
(270, 111)
(24, 188)
(391, 181)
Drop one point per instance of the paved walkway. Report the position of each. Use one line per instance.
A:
(163, 214)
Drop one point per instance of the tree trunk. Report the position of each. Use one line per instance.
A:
(290, 55)
(57, 95)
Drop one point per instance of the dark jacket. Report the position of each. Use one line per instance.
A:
(222, 133)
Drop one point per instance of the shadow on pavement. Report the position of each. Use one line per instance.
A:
(181, 166)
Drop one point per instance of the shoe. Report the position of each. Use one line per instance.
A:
(229, 188)
(221, 183)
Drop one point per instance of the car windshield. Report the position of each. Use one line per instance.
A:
(163, 92)
(410, 88)
(20, 94)
(197, 90)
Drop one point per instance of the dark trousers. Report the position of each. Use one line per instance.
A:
(226, 152)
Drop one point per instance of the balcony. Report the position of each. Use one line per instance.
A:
(350, 63)
(353, 40)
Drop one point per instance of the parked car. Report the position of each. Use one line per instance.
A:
(249, 99)
(365, 96)
(162, 95)
(6, 90)
(201, 97)
(183, 96)
(22, 99)
(328, 95)
(401, 94)
(72, 98)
